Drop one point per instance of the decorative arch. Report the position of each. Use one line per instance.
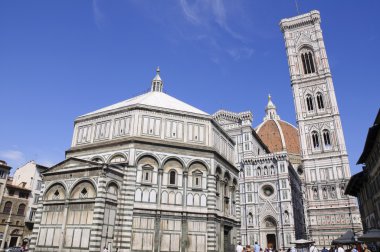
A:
(112, 187)
(320, 100)
(173, 158)
(269, 222)
(309, 102)
(84, 188)
(315, 139)
(98, 159)
(234, 181)
(218, 170)
(15, 232)
(307, 58)
(150, 155)
(51, 191)
(227, 175)
(117, 157)
(326, 135)
(7, 207)
(138, 195)
(194, 161)
(164, 197)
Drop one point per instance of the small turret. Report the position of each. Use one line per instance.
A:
(157, 83)
(271, 111)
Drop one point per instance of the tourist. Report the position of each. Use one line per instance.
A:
(256, 247)
(325, 249)
(239, 247)
(340, 249)
(105, 249)
(366, 249)
(354, 249)
(314, 249)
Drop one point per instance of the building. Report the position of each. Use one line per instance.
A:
(29, 175)
(270, 188)
(365, 185)
(4, 174)
(330, 212)
(151, 173)
(12, 216)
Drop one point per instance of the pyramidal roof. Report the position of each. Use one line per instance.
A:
(155, 98)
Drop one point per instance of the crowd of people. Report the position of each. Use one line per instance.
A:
(312, 248)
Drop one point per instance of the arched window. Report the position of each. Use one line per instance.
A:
(320, 103)
(309, 102)
(307, 61)
(315, 138)
(7, 207)
(118, 159)
(172, 177)
(21, 209)
(326, 138)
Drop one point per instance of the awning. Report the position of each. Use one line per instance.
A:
(346, 239)
(372, 235)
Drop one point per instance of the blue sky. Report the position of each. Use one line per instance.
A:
(61, 59)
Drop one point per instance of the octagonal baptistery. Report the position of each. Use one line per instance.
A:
(150, 173)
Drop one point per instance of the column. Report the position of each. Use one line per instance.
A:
(184, 241)
(125, 204)
(211, 207)
(98, 219)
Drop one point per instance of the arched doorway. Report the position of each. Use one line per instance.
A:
(14, 238)
(270, 225)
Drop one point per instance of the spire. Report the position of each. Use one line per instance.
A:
(157, 83)
(270, 110)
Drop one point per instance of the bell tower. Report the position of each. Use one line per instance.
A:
(324, 156)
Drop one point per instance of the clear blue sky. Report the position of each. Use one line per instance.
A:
(61, 59)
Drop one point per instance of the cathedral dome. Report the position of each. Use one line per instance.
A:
(277, 134)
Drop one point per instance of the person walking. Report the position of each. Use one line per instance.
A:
(105, 249)
(256, 247)
(239, 247)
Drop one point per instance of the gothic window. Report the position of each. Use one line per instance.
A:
(172, 177)
(21, 209)
(307, 62)
(315, 138)
(326, 138)
(309, 103)
(7, 207)
(320, 103)
(272, 171)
